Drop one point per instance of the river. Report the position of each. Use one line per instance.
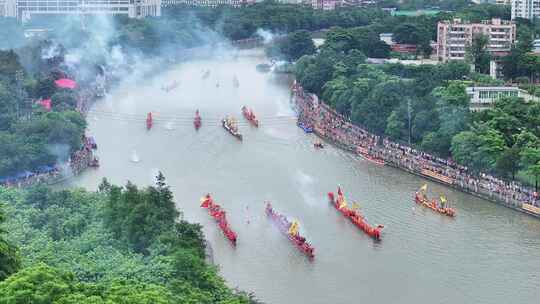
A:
(487, 254)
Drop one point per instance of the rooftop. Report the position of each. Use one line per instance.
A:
(494, 21)
(415, 13)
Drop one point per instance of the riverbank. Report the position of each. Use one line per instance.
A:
(76, 162)
(332, 126)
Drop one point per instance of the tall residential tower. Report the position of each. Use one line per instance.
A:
(454, 36)
(527, 9)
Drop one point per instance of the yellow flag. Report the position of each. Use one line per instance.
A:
(443, 199)
(424, 188)
(343, 204)
(355, 206)
(293, 229)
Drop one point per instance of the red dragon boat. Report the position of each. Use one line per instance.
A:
(250, 116)
(290, 229)
(149, 121)
(197, 120)
(354, 215)
(441, 207)
(219, 215)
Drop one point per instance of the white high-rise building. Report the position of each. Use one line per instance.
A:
(8, 8)
(528, 9)
(24, 9)
(207, 3)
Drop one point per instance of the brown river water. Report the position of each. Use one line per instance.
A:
(487, 254)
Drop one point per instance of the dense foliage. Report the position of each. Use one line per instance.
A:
(240, 23)
(9, 258)
(424, 105)
(29, 136)
(292, 46)
(118, 245)
(503, 139)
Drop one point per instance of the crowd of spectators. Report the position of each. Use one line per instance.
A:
(337, 128)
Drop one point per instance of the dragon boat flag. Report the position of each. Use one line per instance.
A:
(205, 202)
(424, 188)
(342, 204)
(443, 200)
(293, 229)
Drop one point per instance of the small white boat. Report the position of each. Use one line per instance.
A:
(135, 157)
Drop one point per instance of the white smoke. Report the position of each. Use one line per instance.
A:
(266, 35)
(52, 51)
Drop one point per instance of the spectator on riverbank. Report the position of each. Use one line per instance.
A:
(337, 128)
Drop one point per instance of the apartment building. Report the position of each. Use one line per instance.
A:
(454, 36)
(8, 8)
(24, 9)
(528, 9)
(326, 5)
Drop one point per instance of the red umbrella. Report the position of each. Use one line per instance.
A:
(66, 83)
(46, 103)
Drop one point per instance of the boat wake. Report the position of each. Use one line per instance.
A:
(169, 126)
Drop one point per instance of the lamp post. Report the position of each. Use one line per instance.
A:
(409, 118)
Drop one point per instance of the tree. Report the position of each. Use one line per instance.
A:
(320, 70)
(490, 145)
(463, 147)
(477, 53)
(10, 105)
(297, 44)
(9, 258)
(530, 158)
(368, 41)
(534, 170)
(339, 39)
(436, 143)
(139, 217)
(44, 284)
(395, 126)
(409, 33)
(9, 64)
(38, 284)
(508, 162)
(375, 110)
(335, 93)
(64, 100)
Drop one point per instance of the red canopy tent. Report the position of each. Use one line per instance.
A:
(46, 103)
(66, 83)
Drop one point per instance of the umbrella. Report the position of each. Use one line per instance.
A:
(66, 83)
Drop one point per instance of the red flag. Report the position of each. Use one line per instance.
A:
(339, 191)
